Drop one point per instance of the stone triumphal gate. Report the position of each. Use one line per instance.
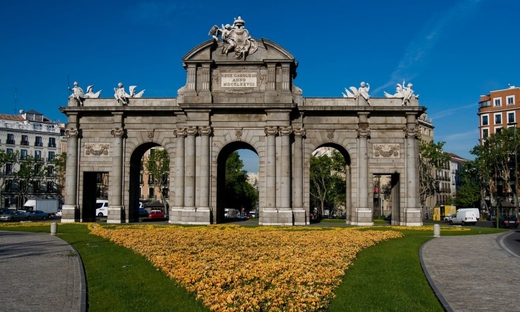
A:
(240, 94)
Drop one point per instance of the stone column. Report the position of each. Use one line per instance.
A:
(189, 198)
(69, 209)
(271, 77)
(176, 211)
(364, 213)
(205, 133)
(270, 167)
(115, 210)
(301, 217)
(285, 168)
(412, 212)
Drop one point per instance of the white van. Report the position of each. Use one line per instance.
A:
(466, 216)
(101, 208)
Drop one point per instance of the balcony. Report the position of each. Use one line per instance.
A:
(24, 143)
(9, 141)
(38, 144)
(51, 145)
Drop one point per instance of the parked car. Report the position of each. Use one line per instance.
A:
(15, 215)
(448, 218)
(143, 213)
(508, 222)
(37, 215)
(156, 214)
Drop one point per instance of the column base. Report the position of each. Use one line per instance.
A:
(362, 217)
(116, 214)
(196, 215)
(277, 216)
(69, 213)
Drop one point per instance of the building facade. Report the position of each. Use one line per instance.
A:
(28, 134)
(497, 110)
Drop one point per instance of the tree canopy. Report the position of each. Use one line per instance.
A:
(239, 193)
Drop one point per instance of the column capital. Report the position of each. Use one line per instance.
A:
(363, 133)
(271, 130)
(286, 130)
(179, 132)
(118, 132)
(300, 132)
(205, 130)
(72, 132)
(192, 131)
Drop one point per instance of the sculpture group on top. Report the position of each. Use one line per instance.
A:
(79, 95)
(122, 97)
(236, 39)
(403, 92)
(357, 92)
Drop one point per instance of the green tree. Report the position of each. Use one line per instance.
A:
(31, 171)
(56, 171)
(157, 166)
(327, 177)
(468, 194)
(239, 193)
(5, 159)
(431, 159)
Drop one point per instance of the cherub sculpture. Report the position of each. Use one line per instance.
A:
(403, 92)
(77, 93)
(122, 97)
(357, 92)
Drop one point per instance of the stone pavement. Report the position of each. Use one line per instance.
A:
(472, 273)
(40, 272)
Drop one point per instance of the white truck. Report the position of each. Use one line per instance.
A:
(465, 216)
(46, 205)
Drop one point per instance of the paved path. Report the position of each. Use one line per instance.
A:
(40, 272)
(473, 273)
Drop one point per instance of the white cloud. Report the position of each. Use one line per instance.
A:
(418, 50)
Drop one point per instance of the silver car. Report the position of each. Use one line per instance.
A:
(13, 216)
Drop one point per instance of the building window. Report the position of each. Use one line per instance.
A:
(485, 120)
(25, 140)
(51, 156)
(9, 151)
(510, 100)
(498, 119)
(52, 142)
(485, 133)
(150, 192)
(511, 118)
(38, 154)
(23, 154)
(497, 101)
(38, 141)
(498, 129)
(8, 169)
(10, 138)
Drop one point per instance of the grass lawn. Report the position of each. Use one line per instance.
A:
(386, 277)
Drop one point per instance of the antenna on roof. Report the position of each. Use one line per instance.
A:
(15, 99)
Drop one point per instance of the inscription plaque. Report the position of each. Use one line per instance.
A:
(238, 80)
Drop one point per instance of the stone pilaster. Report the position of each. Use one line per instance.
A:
(176, 210)
(205, 133)
(70, 211)
(363, 211)
(412, 212)
(115, 210)
(189, 198)
(285, 168)
(270, 164)
(300, 215)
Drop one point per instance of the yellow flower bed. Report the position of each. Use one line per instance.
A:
(232, 268)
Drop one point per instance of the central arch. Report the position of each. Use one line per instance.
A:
(223, 155)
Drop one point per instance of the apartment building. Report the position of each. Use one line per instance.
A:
(497, 110)
(30, 134)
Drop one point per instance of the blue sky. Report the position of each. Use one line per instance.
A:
(452, 51)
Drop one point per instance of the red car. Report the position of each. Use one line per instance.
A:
(156, 214)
